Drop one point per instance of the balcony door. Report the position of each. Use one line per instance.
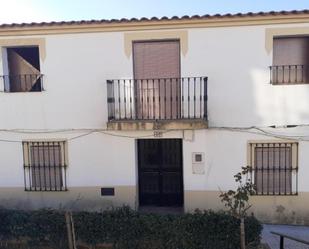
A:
(157, 79)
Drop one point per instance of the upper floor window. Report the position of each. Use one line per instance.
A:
(274, 167)
(45, 166)
(21, 69)
(290, 60)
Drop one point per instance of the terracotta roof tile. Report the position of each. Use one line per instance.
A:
(154, 19)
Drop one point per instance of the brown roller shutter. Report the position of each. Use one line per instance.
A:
(291, 51)
(46, 168)
(291, 54)
(157, 72)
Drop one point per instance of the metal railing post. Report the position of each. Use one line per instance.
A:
(205, 98)
(110, 100)
(281, 242)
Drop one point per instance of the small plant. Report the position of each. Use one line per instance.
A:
(237, 201)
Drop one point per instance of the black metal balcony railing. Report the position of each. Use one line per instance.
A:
(288, 74)
(22, 83)
(157, 99)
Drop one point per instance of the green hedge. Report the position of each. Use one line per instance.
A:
(125, 228)
(42, 227)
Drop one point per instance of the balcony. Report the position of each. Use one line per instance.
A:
(157, 104)
(289, 74)
(22, 83)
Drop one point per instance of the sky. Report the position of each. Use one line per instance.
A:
(18, 11)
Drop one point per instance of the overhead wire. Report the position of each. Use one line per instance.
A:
(251, 129)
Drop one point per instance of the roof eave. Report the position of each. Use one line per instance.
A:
(149, 24)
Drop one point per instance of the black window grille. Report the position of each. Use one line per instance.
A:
(45, 166)
(274, 168)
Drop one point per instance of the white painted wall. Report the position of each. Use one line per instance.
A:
(76, 68)
(234, 58)
(225, 153)
(104, 160)
(94, 160)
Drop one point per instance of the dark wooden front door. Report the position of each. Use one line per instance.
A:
(160, 172)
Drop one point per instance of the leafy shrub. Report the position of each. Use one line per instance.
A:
(129, 229)
(35, 227)
(125, 228)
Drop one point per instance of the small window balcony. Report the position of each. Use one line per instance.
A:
(21, 69)
(162, 103)
(289, 74)
(22, 83)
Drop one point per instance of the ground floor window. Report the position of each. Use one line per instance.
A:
(274, 167)
(45, 165)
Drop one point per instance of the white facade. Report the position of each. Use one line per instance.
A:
(74, 102)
